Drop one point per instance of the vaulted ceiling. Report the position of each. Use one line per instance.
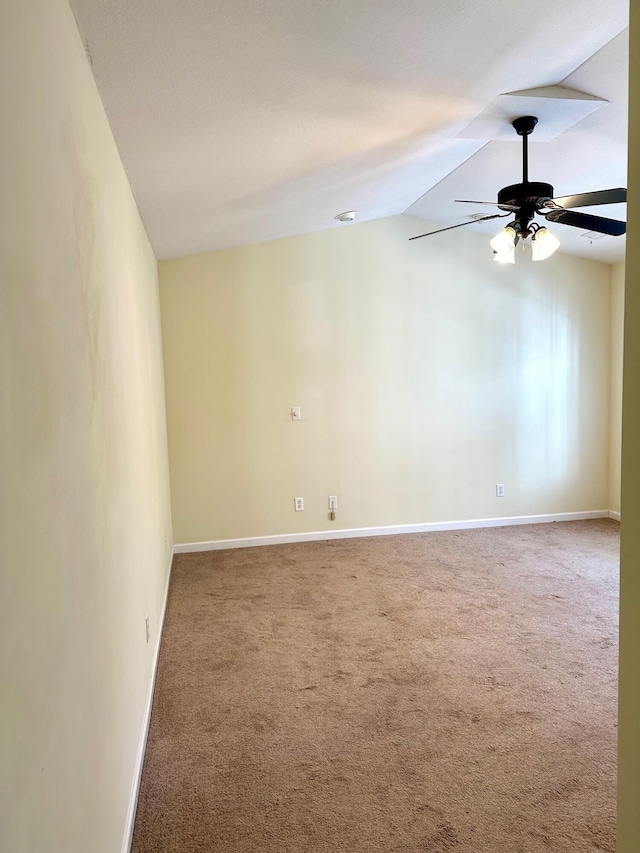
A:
(246, 120)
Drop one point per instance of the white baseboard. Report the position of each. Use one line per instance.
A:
(428, 527)
(142, 744)
(615, 515)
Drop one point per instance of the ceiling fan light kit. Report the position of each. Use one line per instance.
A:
(543, 243)
(529, 199)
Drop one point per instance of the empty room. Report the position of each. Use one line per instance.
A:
(320, 500)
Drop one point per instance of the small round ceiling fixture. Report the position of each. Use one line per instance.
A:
(347, 216)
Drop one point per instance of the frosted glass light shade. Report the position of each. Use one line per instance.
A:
(505, 256)
(504, 241)
(543, 244)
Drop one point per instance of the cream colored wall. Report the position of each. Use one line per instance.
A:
(629, 708)
(426, 374)
(85, 531)
(615, 398)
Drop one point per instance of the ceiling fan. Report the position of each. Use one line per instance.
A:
(529, 199)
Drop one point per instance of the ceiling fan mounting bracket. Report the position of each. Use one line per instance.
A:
(524, 125)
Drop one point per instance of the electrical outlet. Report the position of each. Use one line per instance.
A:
(499, 490)
(146, 626)
(333, 502)
(299, 504)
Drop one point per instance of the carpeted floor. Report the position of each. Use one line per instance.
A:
(422, 693)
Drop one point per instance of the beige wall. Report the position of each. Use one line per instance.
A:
(426, 374)
(629, 722)
(85, 532)
(615, 399)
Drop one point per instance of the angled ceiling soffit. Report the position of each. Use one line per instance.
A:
(557, 108)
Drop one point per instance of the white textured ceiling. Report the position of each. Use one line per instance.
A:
(246, 120)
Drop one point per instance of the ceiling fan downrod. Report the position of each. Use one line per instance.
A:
(524, 126)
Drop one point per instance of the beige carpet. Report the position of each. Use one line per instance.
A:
(431, 693)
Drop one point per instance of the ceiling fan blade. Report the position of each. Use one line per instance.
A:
(615, 196)
(493, 203)
(613, 227)
(451, 227)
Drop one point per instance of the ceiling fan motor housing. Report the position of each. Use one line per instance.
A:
(528, 197)
(533, 193)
